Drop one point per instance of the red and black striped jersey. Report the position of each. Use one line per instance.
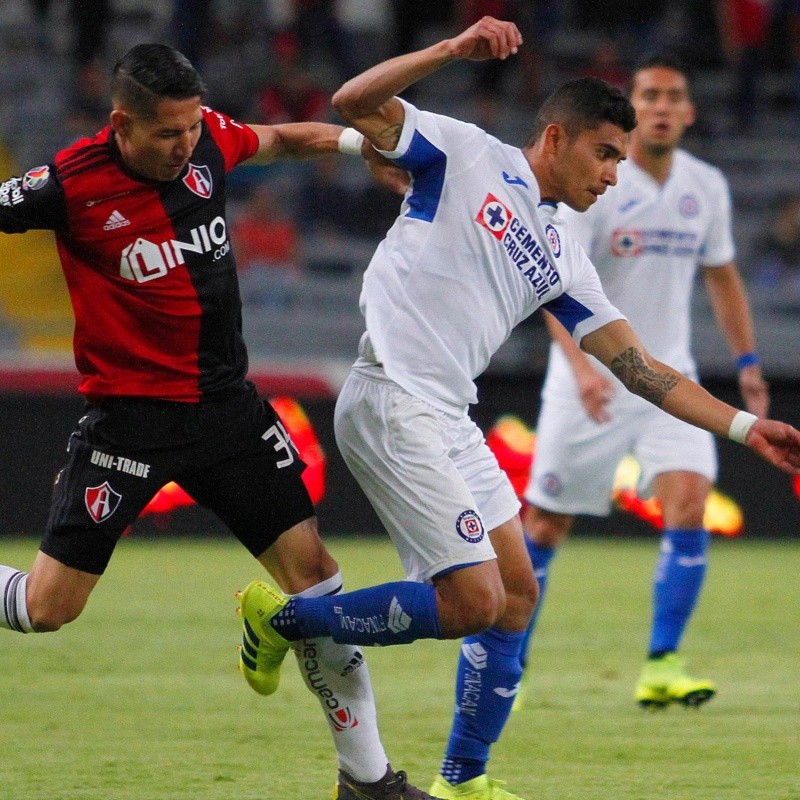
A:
(148, 264)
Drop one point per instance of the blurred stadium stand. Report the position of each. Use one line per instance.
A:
(35, 87)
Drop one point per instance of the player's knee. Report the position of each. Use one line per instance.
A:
(312, 573)
(545, 528)
(478, 611)
(522, 593)
(688, 514)
(48, 617)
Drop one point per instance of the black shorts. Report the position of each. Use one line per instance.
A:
(231, 455)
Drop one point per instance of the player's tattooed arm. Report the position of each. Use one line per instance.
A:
(389, 137)
(632, 369)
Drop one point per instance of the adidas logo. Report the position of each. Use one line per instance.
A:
(399, 621)
(116, 220)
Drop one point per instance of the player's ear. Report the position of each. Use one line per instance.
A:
(553, 138)
(691, 115)
(120, 122)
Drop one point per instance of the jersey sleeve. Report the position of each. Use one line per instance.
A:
(719, 248)
(236, 141)
(583, 307)
(33, 201)
(425, 136)
(431, 146)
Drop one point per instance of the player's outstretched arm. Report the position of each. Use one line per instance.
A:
(368, 101)
(295, 140)
(303, 140)
(618, 347)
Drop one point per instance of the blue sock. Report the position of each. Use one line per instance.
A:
(486, 683)
(390, 613)
(541, 556)
(678, 580)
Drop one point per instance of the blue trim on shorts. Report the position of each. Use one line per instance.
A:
(448, 570)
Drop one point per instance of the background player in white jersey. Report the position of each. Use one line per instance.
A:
(469, 257)
(669, 214)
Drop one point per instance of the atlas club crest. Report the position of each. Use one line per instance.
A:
(199, 180)
(101, 501)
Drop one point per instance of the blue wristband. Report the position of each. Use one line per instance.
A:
(747, 360)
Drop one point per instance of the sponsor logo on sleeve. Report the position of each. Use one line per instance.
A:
(36, 178)
(11, 192)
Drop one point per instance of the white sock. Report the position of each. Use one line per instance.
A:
(337, 675)
(13, 608)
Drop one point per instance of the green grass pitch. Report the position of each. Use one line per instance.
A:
(139, 699)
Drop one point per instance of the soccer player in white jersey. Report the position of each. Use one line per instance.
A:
(467, 259)
(668, 215)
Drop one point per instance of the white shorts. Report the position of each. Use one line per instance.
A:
(576, 458)
(432, 480)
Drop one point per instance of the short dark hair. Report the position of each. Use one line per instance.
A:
(667, 59)
(584, 104)
(149, 72)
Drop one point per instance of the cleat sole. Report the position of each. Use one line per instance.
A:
(696, 699)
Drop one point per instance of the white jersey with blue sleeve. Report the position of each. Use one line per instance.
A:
(647, 241)
(467, 259)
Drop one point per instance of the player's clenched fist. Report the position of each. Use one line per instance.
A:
(487, 38)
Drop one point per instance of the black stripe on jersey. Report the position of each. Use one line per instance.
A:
(221, 354)
(84, 153)
(86, 166)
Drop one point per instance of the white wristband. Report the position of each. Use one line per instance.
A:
(740, 426)
(350, 141)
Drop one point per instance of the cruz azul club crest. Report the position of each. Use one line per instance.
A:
(627, 243)
(494, 216)
(199, 180)
(469, 526)
(101, 501)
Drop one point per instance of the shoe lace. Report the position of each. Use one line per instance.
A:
(405, 791)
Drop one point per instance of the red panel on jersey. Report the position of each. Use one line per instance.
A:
(149, 269)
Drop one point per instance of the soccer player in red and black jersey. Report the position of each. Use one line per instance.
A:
(140, 223)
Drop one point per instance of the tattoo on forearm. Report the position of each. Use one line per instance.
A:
(631, 369)
(389, 137)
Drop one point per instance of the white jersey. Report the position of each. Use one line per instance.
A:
(646, 241)
(468, 258)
